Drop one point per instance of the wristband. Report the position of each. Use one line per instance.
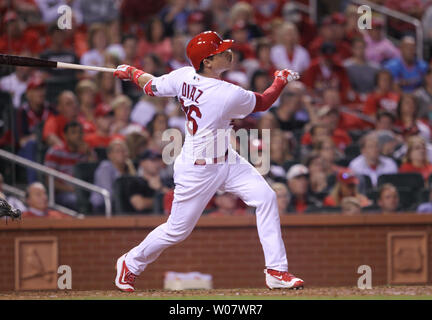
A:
(135, 75)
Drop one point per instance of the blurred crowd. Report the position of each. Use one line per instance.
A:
(353, 135)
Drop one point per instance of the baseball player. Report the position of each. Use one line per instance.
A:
(210, 104)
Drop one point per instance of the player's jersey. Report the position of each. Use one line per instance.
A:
(209, 104)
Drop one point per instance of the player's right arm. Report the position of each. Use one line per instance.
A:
(139, 77)
(163, 86)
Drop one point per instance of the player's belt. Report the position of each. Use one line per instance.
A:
(203, 162)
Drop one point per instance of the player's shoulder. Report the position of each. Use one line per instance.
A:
(182, 71)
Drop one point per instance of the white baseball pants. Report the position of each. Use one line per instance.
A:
(195, 185)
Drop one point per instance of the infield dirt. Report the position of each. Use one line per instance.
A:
(384, 292)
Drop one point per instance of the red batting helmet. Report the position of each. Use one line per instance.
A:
(204, 45)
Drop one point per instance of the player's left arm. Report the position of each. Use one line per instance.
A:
(265, 100)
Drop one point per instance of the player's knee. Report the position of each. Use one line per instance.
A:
(178, 235)
(267, 196)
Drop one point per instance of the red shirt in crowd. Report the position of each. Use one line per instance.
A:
(315, 78)
(95, 140)
(425, 171)
(340, 137)
(376, 102)
(28, 41)
(54, 125)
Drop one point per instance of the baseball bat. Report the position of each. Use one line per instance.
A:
(12, 60)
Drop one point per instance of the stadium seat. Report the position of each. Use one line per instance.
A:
(84, 171)
(352, 151)
(403, 180)
(101, 153)
(121, 196)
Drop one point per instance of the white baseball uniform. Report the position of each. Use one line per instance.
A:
(210, 104)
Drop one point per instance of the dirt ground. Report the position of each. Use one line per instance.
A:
(384, 292)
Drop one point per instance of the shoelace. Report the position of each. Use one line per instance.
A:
(130, 277)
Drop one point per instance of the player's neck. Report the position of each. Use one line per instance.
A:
(209, 73)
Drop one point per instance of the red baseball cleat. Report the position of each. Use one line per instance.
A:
(125, 279)
(282, 280)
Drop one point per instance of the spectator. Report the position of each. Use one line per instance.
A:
(99, 11)
(283, 197)
(155, 41)
(407, 122)
(318, 179)
(326, 71)
(263, 59)
(370, 162)
(130, 45)
(408, 71)
(413, 8)
(388, 198)
(280, 153)
(102, 137)
(37, 203)
(156, 127)
(117, 164)
(67, 110)
(226, 205)
(383, 98)
(16, 84)
(332, 31)
(197, 21)
(49, 10)
(298, 185)
(288, 54)
(291, 113)
(86, 93)
(58, 51)
(327, 126)
(174, 17)
(178, 59)
(29, 120)
(260, 81)
(115, 41)
(16, 38)
(307, 29)
(64, 157)
(243, 12)
(329, 153)
(426, 207)
(345, 117)
(108, 86)
(416, 159)
(423, 96)
(146, 193)
(97, 43)
(350, 206)
(137, 143)
(122, 106)
(379, 49)
(361, 72)
(346, 186)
